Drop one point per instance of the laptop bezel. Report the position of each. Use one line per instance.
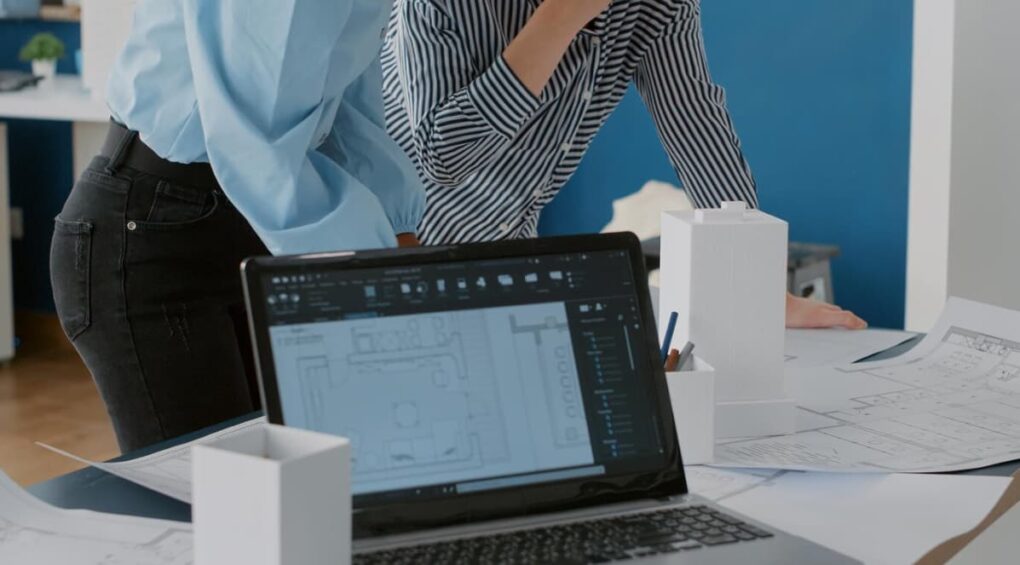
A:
(405, 516)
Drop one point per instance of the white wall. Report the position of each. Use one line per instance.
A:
(930, 158)
(984, 227)
(964, 234)
(105, 26)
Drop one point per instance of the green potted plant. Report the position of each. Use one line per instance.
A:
(43, 50)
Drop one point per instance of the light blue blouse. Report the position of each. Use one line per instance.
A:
(283, 98)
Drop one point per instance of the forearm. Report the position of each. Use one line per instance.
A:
(537, 50)
(695, 127)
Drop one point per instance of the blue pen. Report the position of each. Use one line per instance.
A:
(670, 328)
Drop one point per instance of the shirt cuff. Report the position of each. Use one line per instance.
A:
(412, 208)
(406, 227)
(359, 223)
(502, 99)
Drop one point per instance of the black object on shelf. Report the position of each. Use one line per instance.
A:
(11, 81)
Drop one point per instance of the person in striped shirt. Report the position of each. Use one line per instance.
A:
(497, 101)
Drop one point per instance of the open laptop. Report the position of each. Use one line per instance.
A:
(505, 402)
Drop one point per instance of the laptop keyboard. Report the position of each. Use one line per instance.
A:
(597, 541)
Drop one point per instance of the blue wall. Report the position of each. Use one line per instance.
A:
(820, 93)
(41, 166)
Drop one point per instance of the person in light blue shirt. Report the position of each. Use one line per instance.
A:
(240, 127)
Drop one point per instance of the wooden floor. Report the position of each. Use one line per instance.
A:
(47, 395)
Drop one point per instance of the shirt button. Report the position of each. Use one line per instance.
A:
(505, 227)
(565, 147)
(131, 226)
(538, 193)
(586, 95)
(596, 41)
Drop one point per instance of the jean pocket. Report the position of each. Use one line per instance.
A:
(176, 206)
(70, 269)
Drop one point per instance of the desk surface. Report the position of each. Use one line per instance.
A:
(93, 489)
(66, 100)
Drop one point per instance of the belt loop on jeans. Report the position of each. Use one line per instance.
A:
(125, 149)
(120, 152)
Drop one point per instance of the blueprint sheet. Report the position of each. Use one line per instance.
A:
(166, 472)
(826, 348)
(35, 533)
(952, 403)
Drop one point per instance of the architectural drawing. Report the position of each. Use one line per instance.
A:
(413, 370)
(34, 533)
(167, 472)
(828, 348)
(543, 346)
(450, 385)
(952, 405)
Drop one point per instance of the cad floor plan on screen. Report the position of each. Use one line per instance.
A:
(444, 393)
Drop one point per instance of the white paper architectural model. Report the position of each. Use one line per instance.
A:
(724, 272)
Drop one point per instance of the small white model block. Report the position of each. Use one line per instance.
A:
(272, 496)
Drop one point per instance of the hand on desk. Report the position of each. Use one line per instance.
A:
(805, 313)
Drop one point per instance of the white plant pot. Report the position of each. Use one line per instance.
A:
(46, 68)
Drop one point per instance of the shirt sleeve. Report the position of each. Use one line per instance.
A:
(260, 69)
(462, 115)
(690, 114)
(359, 140)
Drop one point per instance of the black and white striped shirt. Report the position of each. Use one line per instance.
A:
(492, 155)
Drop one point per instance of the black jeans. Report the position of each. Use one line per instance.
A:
(146, 280)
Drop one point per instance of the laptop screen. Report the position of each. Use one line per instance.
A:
(460, 377)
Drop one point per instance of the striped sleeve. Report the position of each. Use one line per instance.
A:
(690, 112)
(462, 117)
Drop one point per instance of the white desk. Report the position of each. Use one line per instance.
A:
(997, 544)
(63, 100)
